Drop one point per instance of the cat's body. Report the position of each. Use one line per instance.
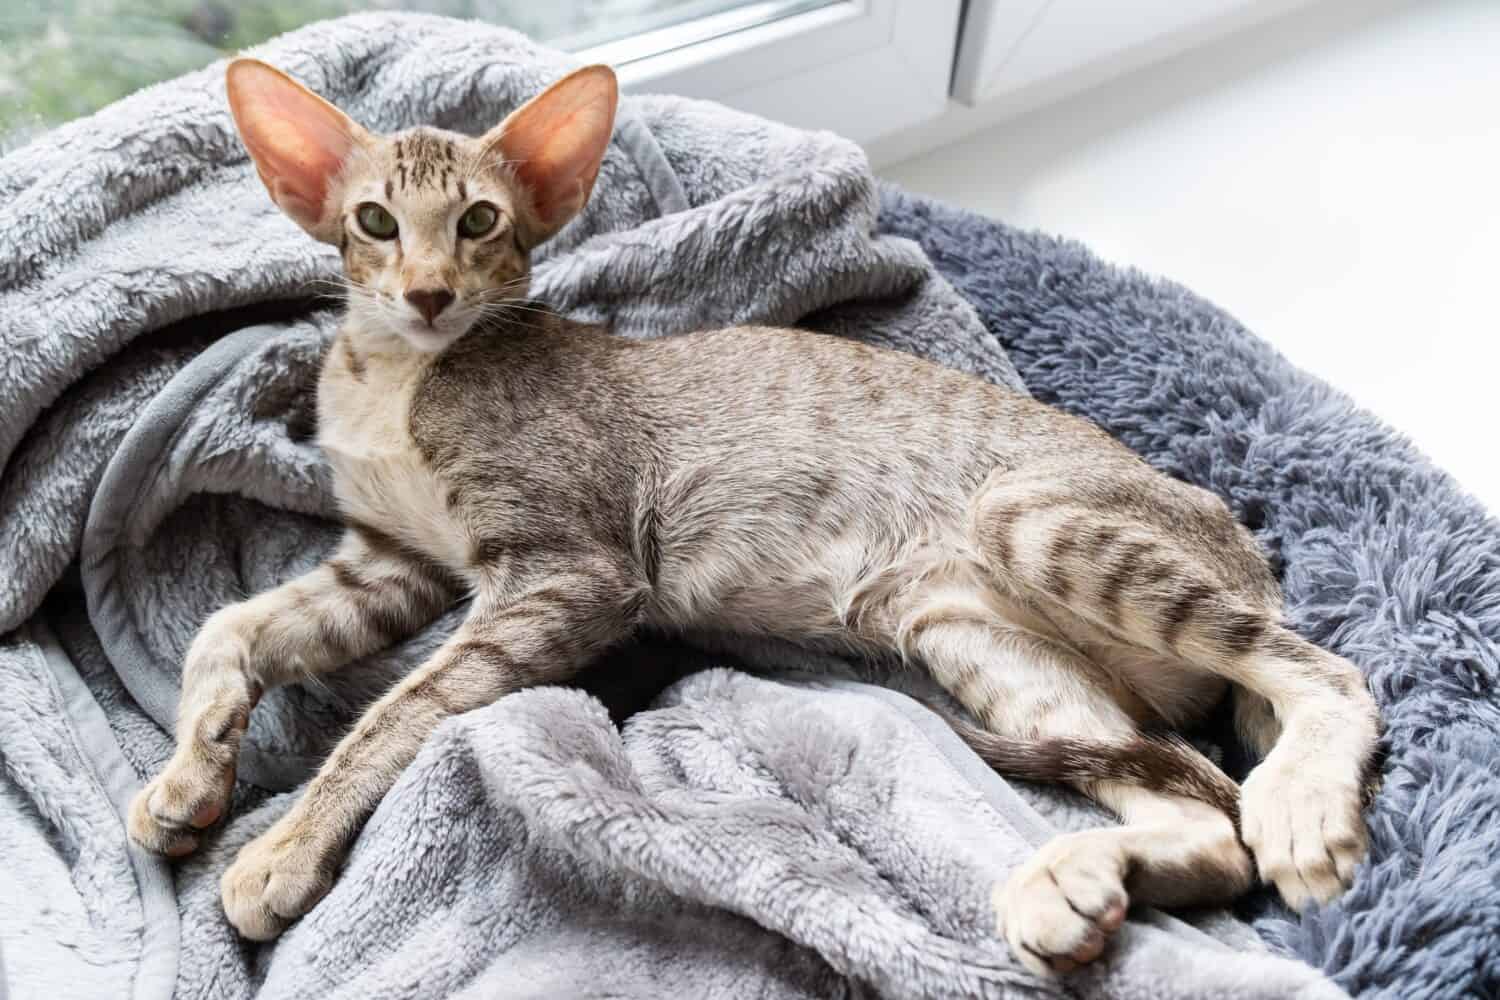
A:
(751, 480)
(580, 486)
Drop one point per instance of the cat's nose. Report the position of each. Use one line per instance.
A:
(430, 301)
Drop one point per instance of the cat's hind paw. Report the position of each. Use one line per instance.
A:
(1304, 827)
(1059, 910)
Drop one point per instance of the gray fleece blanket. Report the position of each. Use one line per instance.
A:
(788, 833)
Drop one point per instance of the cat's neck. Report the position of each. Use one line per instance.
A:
(367, 383)
(377, 362)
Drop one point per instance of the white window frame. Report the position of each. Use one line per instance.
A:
(862, 68)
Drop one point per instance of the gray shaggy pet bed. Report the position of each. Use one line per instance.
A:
(1383, 559)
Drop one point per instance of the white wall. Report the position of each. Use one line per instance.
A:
(1333, 179)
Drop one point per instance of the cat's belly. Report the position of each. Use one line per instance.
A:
(764, 551)
(793, 589)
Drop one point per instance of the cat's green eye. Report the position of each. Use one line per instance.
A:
(478, 220)
(376, 221)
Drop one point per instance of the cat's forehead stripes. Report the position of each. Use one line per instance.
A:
(425, 159)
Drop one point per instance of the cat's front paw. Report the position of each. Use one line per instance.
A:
(1302, 822)
(276, 878)
(160, 829)
(192, 792)
(190, 795)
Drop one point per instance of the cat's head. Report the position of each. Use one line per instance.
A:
(435, 228)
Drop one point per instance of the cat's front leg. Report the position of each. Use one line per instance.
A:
(370, 593)
(513, 638)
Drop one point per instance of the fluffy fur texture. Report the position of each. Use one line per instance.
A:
(534, 850)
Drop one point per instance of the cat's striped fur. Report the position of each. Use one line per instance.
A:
(580, 486)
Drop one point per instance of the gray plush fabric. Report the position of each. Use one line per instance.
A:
(741, 836)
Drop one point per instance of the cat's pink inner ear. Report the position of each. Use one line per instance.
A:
(299, 141)
(556, 143)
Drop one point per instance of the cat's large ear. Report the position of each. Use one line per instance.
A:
(555, 142)
(299, 142)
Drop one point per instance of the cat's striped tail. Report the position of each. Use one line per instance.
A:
(1161, 762)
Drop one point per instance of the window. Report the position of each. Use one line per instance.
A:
(873, 70)
(862, 67)
(654, 26)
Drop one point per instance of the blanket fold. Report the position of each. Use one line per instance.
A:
(162, 324)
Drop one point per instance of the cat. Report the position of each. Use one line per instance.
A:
(579, 486)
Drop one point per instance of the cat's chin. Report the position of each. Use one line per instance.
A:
(428, 340)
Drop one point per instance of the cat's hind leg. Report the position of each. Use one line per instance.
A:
(1255, 723)
(1163, 568)
(1050, 714)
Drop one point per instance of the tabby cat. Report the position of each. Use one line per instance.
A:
(579, 486)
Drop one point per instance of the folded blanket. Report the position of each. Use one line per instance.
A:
(161, 332)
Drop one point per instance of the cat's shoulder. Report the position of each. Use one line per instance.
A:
(501, 376)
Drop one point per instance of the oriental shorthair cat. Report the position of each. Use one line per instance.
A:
(577, 487)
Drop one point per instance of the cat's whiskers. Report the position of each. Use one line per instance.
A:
(495, 310)
(336, 288)
(502, 302)
(508, 315)
(515, 315)
(503, 287)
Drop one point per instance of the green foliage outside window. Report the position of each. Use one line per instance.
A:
(60, 59)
